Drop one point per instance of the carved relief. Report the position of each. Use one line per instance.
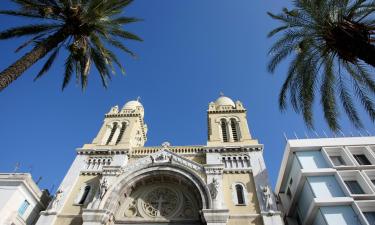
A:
(160, 201)
(214, 188)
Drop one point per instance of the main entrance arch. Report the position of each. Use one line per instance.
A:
(158, 193)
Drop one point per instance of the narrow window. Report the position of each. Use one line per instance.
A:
(22, 209)
(362, 159)
(123, 127)
(289, 193)
(240, 197)
(370, 217)
(354, 187)
(337, 160)
(224, 130)
(84, 195)
(233, 125)
(112, 133)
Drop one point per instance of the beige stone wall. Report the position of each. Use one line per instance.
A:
(248, 181)
(201, 159)
(249, 221)
(68, 221)
(71, 210)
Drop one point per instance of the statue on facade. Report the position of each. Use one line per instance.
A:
(57, 199)
(103, 188)
(267, 198)
(214, 188)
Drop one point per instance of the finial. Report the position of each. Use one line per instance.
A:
(221, 93)
(16, 167)
(138, 98)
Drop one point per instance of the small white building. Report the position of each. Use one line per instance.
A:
(21, 200)
(328, 181)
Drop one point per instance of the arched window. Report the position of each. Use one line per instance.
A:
(123, 127)
(234, 128)
(240, 194)
(84, 195)
(112, 133)
(224, 131)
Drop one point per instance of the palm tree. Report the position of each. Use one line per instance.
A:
(85, 28)
(329, 43)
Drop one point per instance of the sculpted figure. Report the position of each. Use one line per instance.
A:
(103, 188)
(267, 196)
(214, 188)
(57, 199)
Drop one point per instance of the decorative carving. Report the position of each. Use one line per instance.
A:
(214, 170)
(103, 188)
(267, 196)
(166, 144)
(160, 202)
(214, 188)
(162, 156)
(57, 199)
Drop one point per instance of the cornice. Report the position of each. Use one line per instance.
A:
(81, 151)
(227, 111)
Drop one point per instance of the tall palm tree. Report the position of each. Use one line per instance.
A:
(85, 28)
(329, 43)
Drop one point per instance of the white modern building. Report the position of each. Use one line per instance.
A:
(20, 199)
(328, 181)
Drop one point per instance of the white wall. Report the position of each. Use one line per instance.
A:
(305, 200)
(311, 160)
(319, 219)
(325, 186)
(340, 215)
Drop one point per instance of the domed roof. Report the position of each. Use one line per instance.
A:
(225, 101)
(133, 104)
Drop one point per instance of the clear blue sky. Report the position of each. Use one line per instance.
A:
(192, 50)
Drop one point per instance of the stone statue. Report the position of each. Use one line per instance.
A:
(214, 188)
(103, 188)
(267, 198)
(57, 199)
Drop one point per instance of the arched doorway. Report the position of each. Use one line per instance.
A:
(159, 194)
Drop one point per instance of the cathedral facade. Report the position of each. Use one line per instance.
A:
(117, 180)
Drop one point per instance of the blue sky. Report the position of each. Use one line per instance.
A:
(192, 51)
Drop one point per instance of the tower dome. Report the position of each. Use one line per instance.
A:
(132, 104)
(224, 101)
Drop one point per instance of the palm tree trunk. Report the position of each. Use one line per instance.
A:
(366, 52)
(14, 71)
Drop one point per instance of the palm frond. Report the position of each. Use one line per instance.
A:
(48, 64)
(26, 30)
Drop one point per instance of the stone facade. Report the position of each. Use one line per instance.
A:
(116, 180)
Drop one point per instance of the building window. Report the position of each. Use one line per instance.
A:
(84, 195)
(112, 133)
(354, 187)
(233, 125)
(240, 194)
(289, 193)
(373, 182)
(22, 209)
(224, 130)
(123, 127)
(337, 160)
(370, 217)
(362, 159)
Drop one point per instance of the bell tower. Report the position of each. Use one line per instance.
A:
(123, 127)
(227, 123)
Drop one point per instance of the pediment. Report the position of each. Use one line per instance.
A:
(163, 157)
